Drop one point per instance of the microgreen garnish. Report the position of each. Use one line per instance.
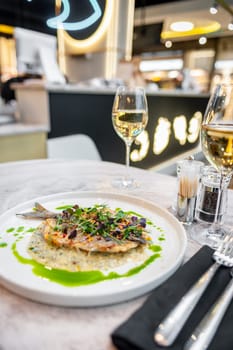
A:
(11, 229)
(20, 229)
(99, 220)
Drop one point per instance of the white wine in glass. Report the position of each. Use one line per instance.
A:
(217, 146)
(129, 118)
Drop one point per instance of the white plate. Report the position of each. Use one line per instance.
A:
(20, 278)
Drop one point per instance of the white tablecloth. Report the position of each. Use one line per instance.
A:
(29, 325)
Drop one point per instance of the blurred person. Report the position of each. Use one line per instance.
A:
(7, 93)
(137, 78)
(188, 82)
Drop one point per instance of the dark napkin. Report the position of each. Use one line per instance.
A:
(137, 332)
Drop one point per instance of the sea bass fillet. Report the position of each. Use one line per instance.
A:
(92, 229)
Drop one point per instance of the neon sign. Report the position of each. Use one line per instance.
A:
(58, 22)
(163, 133)
(143, 141)
(74, 39)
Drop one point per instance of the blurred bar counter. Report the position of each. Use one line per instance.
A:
(172, 130)
(19, 141)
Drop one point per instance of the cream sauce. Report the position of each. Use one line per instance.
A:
(78, 260)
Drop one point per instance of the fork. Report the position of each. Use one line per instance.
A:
(170, 327)
(205, 331)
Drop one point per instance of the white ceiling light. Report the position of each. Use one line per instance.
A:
(168, 44)
(202, 40)
(181, 26)
(214, 8)
(230, 25)
(224, 64)
(166, 64)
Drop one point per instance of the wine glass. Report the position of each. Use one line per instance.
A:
(129, 118)
(217, 146)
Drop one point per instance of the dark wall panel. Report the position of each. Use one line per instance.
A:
(73, 113)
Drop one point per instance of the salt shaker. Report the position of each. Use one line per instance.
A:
(188, 172)
(208, 194)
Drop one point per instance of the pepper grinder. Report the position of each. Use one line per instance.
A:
(208, 194)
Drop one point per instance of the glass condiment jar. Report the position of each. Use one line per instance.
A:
(208, 194)
(188, 174)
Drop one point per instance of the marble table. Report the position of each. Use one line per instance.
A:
(29, 325)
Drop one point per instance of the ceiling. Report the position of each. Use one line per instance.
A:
(32, 14)
(193, 10)
(143, 3)
(155, 18)
(27, 14)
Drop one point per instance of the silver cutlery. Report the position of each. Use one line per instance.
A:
(170, 327)
(205, 331)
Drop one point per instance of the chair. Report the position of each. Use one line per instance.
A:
(78, 146)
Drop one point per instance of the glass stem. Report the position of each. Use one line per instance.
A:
(219, 199)
(127, 160)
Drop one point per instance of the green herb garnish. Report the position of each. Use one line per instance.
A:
(99, 220)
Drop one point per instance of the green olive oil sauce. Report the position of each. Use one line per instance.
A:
(78, 278)
(5, 244)
(74, 279)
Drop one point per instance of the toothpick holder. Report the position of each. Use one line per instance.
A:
(188, 172)
(186, 209)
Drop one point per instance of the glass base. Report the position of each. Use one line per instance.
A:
(207, 234)
(125, 183)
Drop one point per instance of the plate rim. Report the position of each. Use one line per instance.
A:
(75, 300)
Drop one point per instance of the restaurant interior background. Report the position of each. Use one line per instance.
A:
(61, 80)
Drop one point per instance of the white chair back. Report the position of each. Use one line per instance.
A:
(78, 146)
